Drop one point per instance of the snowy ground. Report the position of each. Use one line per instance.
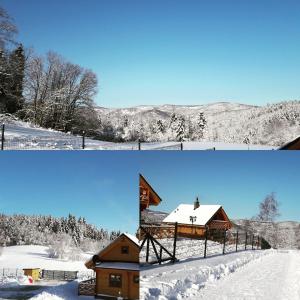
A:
(24, 136)
(13, 285)
(268, 274)
(37, 257)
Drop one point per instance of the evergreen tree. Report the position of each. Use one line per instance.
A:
(201, 123)
(180, 129)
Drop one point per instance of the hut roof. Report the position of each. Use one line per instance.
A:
(183, 213)
(118, 266)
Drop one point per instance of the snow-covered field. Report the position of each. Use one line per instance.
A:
(268, 274)
(20, 135)
(13, 285)
(31, 256)
(186, 279)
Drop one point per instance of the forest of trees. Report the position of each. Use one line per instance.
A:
(48, 91)
(44, 230)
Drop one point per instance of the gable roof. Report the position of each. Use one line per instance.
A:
(153, 195)
(130, 237)
(293, 145)
(183, 213)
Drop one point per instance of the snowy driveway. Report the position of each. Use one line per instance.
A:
(275, 276)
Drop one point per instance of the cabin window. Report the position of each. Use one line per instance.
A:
(115, 280)
(125, 250)
(136, 279)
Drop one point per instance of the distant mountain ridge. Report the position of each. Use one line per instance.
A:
(273, 124)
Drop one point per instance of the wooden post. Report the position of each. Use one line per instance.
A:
(236, 241)
(257, 242)
(139, 146)
(205, 244)
(160, 255)
(147, 249)
(181, 146)
(83, 140)
(224, 241)
(174, 244)
(2, 137)
(252, 241)
(246, 241)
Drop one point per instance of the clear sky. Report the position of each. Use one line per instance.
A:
(177, 52)
(237, 180)
(102, 187)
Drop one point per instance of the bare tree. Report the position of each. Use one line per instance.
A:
(7, 28)
(269, 209)
(58, 92)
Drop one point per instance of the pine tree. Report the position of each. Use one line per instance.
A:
(201, 123)
(180, 130)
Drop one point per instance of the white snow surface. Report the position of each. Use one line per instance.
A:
(245, 275)
(21, 135)
(15, 258)
(32, 256)
(183, 212)
(186, 279)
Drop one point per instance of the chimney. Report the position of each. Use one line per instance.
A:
(196, 203)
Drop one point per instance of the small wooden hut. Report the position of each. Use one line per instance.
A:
(117, 269)
(194, 219)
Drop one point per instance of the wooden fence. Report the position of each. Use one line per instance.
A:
(153, 237)
(59, 275)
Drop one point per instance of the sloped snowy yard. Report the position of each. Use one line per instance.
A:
(185, 279)
(20, 135)
(13, 285)
(259, 274)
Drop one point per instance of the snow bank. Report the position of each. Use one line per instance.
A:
(184, 280)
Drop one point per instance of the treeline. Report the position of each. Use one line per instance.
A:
(48, 91)
(42, 230)
(175, 128)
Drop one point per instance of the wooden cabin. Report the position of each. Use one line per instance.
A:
(293, 145)
(148, 196)
(194, 219)
(117, 269)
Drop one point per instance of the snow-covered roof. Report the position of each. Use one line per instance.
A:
(183, 213)
(132, 237)
(119, 266)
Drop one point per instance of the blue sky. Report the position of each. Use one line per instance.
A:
(237, 180)
(103, 188)
(178, 52)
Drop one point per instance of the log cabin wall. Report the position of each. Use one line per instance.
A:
(129, 288)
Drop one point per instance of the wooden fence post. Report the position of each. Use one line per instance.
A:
(252, 241)
(236, 241)
(257, 247)
(83, 140)
(246, 241)
(224, 241)
(139, 145)
(2, 136)
(181, 146)
(174, 244)
(147, 249)
(205, 244)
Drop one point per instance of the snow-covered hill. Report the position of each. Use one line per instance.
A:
(20, 135)
(227, 122)
(281, 235)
